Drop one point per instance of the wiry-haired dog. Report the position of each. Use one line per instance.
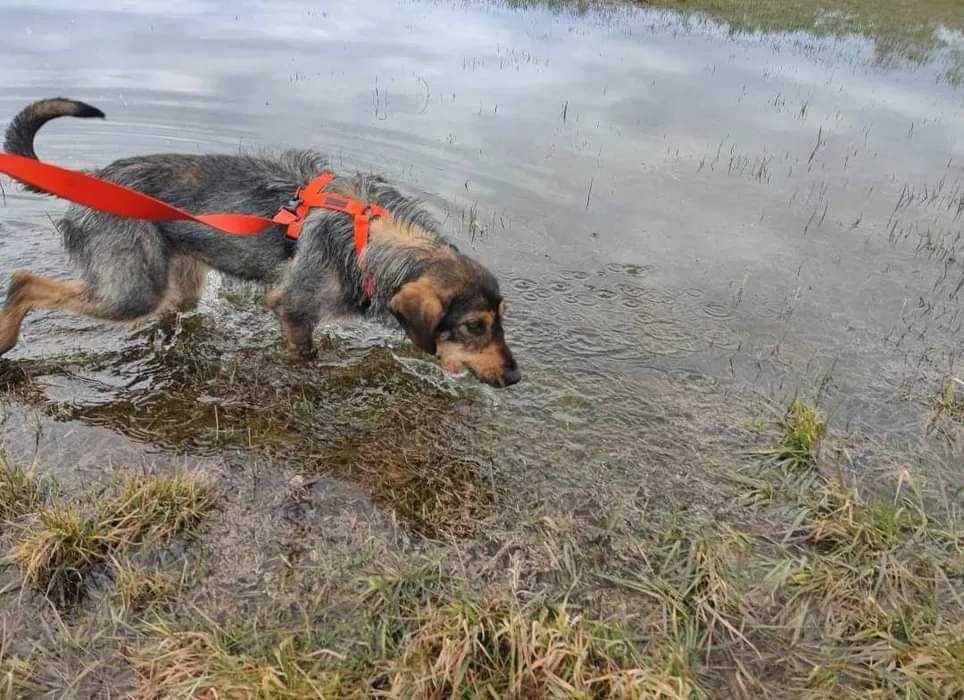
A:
(449, 305)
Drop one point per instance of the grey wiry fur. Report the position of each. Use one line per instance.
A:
(133, 268)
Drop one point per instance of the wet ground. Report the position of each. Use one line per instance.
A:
(686, 223)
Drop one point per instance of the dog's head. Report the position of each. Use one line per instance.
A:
(454, 310)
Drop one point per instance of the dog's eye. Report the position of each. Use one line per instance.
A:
(475, 327)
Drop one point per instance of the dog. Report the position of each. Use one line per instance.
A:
(448, 304)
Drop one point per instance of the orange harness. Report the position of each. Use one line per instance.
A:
(111, 198)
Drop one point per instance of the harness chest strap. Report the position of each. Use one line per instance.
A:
(117, 200)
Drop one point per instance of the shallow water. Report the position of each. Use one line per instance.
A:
(682, 220)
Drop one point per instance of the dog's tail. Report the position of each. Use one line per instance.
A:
(23, 128)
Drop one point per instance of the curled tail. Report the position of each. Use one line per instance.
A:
(23, 128)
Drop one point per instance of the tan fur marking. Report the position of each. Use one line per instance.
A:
(385, 229)
(419, 304)
(189, 175)
(185, 283)
(486, 363)
(486, 316)
(28, 292)
(37, 292)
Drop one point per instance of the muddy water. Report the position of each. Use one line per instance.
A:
(682, 220)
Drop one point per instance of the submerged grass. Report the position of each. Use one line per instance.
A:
(803, 428)
(343, 419)
(947, 409)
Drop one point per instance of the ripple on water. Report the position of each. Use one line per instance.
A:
(582, 341)
(656, 296)
(523, 284)
(536, 334)
(716, 310)
(579, 299)
(722, 340)
(670, 338)
(574, 275)
(630, 290)
(630, 269)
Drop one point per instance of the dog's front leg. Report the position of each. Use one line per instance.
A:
(309, 289)
(297, 324)
(298, 339)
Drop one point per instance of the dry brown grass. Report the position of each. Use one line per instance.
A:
(498, 649)
(205, 664)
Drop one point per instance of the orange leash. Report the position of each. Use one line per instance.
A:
(111, 198)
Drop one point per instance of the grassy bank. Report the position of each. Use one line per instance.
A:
(902, 30)
(896, 20)
(822, 586)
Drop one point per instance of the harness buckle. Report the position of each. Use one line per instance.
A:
(292, 206)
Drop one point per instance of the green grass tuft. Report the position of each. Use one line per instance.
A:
(947, 409)
(803, 428)
(64, 543)
(460, 647)
(20, 492)
(60, 549)
(141, 589)
(157, 507)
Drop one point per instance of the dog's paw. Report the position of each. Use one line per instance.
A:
(300, 351)
(9, 331)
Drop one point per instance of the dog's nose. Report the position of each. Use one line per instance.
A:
(512, 376)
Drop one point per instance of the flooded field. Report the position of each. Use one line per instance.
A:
(692, 226)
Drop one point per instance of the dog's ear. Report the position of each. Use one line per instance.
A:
(419, 309)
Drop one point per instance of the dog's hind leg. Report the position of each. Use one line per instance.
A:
(30, 292)
(186, 278)
(27, 292)
(125, 278)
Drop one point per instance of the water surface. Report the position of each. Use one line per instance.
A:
(683, 221)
